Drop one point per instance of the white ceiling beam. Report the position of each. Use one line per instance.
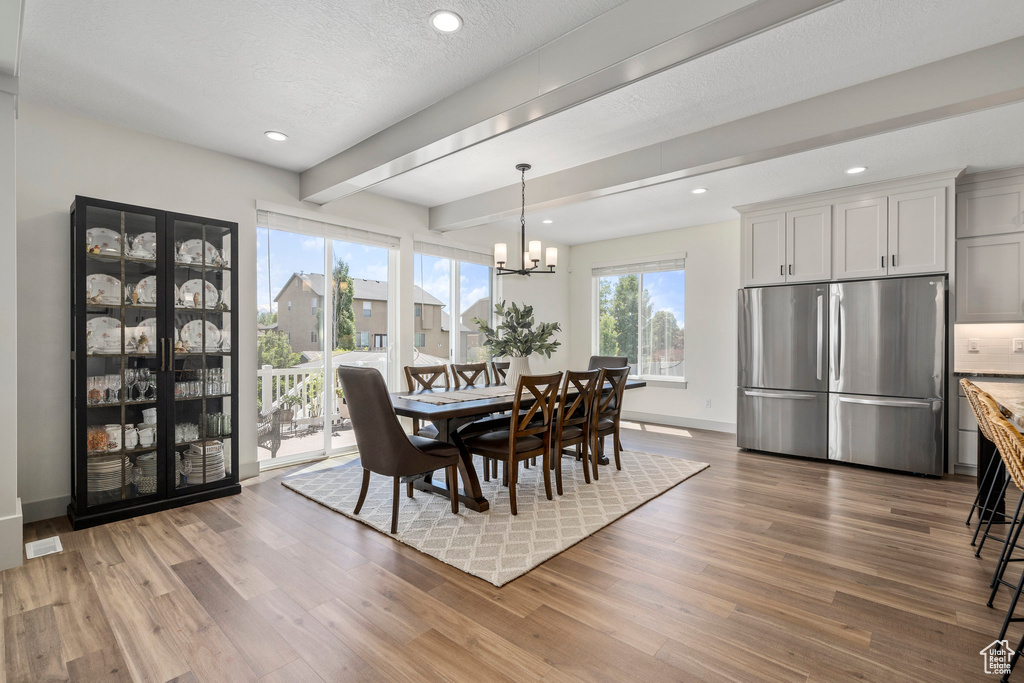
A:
(950, 87)
(631, 42)
(12, 13)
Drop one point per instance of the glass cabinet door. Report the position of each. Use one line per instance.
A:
(203, 371)
(120, 305)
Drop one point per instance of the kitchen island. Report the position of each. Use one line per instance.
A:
(1009, 397)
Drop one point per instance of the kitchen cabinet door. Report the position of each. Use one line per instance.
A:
(990, 279)
(861, 238)
(991, 211)
(917, 232)
(764, 249)
(809, 244)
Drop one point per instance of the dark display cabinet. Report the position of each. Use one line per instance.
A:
(154, 365)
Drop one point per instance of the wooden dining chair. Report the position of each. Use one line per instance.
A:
(418, 377)
(466, 374)
(605, 417)
(527, 433)
(572, 420)
(499, 368)
(384, 447)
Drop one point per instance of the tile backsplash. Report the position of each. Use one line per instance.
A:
(994, 347)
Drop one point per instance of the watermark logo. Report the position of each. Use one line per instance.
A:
(997, 656)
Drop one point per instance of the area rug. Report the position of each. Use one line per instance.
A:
(496, 545)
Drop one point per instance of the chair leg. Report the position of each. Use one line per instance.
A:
(494, 468)
(453, 487)
(504, 473)
(595, 455)
(991, 519)
(546, 466)
(362, 491)
(618, 448)
(511, 474)
(487, 469)
(984, 508)
(394, 506)
(557, 464)
(585, 453)
(977, 497)
(408, 489)
(1009, 544)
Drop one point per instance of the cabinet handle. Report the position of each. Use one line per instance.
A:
(883, 262)
(893, 260)
(163, 353)
(790, 268)
(782, 269)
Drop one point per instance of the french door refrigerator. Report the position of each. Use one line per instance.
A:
(851, 371)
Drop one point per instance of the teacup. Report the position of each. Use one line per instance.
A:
(131, 436)
(113, 437)
(147, 436)
(149, 416)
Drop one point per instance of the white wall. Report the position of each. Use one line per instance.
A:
(712, 278)
(62, 155)
(10, 505)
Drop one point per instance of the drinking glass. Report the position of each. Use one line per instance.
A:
(141, 382)
(152, 386)
(128, 289)
(114, 383)
(130, 375)
(92, 391)
(195, 389)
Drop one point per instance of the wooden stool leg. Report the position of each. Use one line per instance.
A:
(362, 491)
(394, 506)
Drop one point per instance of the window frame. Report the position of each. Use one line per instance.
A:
(595, 330)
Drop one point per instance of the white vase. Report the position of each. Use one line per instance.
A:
(517, 367)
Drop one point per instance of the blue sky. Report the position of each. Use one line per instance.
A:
(292, 253)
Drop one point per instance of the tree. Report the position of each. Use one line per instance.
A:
(626, 311)
(665, 338)
(266, 317)
(609, 336)
(344, 314)
(274, 349)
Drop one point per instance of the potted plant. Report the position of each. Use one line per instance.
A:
(517, 337)
(288, 403)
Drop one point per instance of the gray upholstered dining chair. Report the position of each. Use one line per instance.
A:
(598, 362)
(384, 447)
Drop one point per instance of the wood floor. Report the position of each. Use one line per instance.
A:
(759, 568)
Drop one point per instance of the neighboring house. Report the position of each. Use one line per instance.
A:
(262, 329)
(300, 304)
(472, 338)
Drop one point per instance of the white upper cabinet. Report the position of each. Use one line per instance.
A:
(809, 244)
(764, 249)
(990, 279)
(862, 238)
(917, 232)
(990, 211)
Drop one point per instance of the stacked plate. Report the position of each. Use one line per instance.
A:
(145, 473)
(214, 468)
(104, 472)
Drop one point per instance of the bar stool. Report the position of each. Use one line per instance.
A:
(985, 415)
(971, 392)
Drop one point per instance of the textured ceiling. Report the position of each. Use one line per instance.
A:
(218, 74)
(848, 43)
(981, 141)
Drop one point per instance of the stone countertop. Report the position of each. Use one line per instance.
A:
(1010, 398)
(988, 373)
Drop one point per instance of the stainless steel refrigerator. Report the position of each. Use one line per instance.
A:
(852, 371)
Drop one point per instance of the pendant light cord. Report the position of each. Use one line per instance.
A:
(522, 220)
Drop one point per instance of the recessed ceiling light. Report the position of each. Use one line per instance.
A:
(547, 221)
(276, 136)
(699, 190)
(856, 169)
(445, 21)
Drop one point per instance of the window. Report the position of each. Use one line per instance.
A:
(640, 311)
(380, 341)
(447, 280)
(367, 309)
(339, 268)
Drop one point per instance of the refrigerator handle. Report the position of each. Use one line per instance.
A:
(821, 334)
(834, 334)
(790, 395)
(889, 403)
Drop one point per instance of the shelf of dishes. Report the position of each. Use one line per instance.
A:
(103, 290)
(103, 337)
(104, 242)
(132, 438)
(114, 476)
(139, 385)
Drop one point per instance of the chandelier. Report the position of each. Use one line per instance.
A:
(531, 254)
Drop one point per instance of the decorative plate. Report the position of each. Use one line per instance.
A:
(192, 336)
(103, 335)
(193, 288)
(146, 290)
(102, 289)
(192, 252)
(102, 241)
(143, 245)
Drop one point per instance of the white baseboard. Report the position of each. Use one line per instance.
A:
(969, 470)
(46, 509)
(676, 421)
(11, 538)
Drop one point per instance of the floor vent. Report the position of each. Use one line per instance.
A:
(44, 546)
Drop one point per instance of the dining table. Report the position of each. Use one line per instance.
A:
(448, 412)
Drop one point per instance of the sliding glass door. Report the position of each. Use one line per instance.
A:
(325, 298)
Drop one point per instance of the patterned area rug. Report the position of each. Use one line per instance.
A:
(495, 545)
